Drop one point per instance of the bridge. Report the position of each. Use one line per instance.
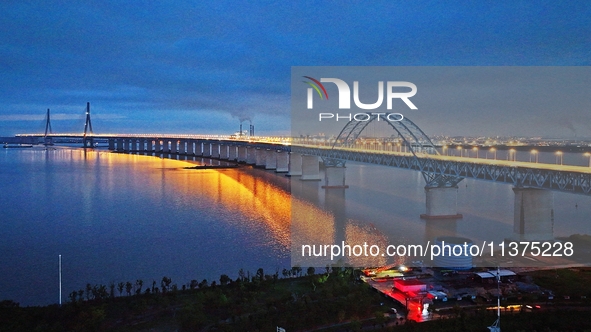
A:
(533, 182)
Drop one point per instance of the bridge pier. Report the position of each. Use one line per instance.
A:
(270, 159)
(173, 146)
(120, 144)
(334, 177)
(190, 147)
(242, 154)
(533, 214)
(111, 144)
(233, 152)
(295, 164)
(88, 142)
(224, 151)
(260, 156)
(207, 149)
(441, 203)
(215, 150)
(158, 146)
(282, 161)
(310, 168)
(251, 157)
(149, 145)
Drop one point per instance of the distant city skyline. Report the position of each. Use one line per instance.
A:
(203, 67)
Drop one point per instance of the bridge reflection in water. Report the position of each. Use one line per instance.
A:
(264, 198)
(534, 183)
(327, 216)
(260, 195)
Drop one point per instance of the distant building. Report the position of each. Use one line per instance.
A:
(490, 276)
(410, 285)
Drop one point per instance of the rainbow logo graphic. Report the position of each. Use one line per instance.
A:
(316, 86)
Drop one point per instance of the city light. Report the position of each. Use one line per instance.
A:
(460, 148)
(587, 154)
(475, 149)
(512, 152)
(534, 152)
(559, 156)
(493, 150)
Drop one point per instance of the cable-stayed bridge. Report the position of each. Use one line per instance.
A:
(533, 183)
(439, 171)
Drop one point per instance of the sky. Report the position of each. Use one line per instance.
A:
(197, 67)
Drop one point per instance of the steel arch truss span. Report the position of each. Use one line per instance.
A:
(450, 171)
(413, 137)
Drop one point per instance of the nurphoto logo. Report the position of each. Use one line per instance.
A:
(344, 92)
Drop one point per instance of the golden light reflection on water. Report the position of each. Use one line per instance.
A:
(259, 195)
(239, 191)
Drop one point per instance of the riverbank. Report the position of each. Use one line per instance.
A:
(334, 300)
(259, 303)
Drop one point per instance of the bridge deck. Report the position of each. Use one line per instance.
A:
(568, 178)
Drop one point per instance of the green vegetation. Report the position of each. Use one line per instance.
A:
(301, 301)
(257, 303)
(574, 282)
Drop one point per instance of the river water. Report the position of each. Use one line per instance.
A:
(118, 217)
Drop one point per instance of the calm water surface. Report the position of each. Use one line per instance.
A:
(116, 217)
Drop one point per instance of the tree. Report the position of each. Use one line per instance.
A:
(112, 289)
(194, 284)
(311, 271)
(139, 283)
(165, 283)
(120, 287)
(203, 283)
(241, 274)
(261, 274)
(88, 291)
(224, 279)
(73, 296)
(128, 288)
(296, 270)
(100, 292)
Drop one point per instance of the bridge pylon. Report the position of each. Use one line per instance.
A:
(87, 140)
(47, 140)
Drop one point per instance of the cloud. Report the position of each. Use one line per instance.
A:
(236, 58)
(57, 117)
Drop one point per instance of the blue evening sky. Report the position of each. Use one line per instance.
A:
(202, 66)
